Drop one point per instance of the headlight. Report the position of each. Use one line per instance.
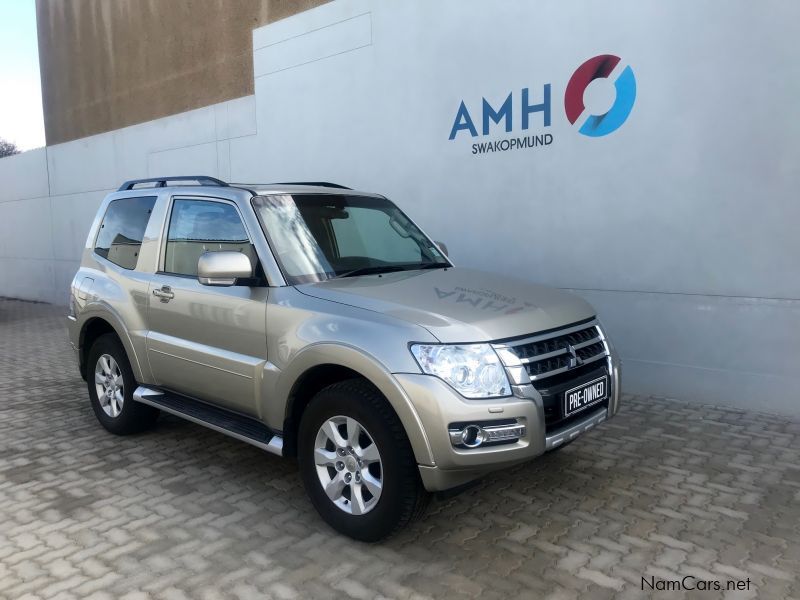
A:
(473, 370)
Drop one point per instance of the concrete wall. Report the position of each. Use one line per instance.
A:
(48, 197)
(680, 226)
(107, 64)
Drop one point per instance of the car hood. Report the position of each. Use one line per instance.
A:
(458, 305)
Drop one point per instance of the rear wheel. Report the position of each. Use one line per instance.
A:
(111, 386)
(356, 462)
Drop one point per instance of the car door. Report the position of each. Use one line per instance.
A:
(204, 341)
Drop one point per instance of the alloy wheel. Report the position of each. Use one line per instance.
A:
(348, 465)
(109, 384)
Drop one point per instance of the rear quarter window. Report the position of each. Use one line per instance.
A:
(122, 230)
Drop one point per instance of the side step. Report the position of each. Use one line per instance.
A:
(230, 423)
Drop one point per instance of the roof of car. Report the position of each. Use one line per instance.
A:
(206, 182)
(298, 188)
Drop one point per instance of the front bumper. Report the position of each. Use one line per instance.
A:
(439, 406)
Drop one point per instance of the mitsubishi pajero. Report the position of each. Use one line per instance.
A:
(317, 322)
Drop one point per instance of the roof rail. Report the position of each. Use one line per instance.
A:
(315, 183)
(162, 181)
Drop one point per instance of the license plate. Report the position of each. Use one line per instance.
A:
(585, 395)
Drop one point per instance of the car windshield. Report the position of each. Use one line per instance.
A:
(322, 236)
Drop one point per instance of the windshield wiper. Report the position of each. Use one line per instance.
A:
(393, 268)
(372, 270)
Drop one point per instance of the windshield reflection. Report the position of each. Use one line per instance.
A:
(316, 237)
(295, 246)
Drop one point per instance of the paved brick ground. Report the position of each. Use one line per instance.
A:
(667, 489)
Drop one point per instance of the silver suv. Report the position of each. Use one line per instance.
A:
(317, 322)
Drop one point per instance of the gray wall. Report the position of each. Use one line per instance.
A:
(680, 226)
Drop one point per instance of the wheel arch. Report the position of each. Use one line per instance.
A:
(305, 388)
(323, 364)
(92, 328)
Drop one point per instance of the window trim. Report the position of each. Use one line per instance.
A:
(102, 221)
(162, 247)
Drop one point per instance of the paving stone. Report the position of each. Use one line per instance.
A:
(667, 488)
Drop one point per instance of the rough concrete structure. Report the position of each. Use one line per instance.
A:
(106, 64)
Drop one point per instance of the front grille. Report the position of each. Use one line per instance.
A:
(557, 361)
(590, 351)
(560, 351)
(541, 368)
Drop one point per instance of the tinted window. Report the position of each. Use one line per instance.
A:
(122, 230)
(199, 226)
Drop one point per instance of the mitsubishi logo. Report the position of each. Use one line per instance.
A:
(574, 359)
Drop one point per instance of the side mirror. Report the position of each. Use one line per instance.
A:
(443, 247)
(223, 268)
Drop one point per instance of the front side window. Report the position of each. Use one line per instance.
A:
(122, 230)
(322, 236)
(199, 226)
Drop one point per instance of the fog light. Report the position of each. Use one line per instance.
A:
(474, 435)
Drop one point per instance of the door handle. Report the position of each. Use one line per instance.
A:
(165, 293)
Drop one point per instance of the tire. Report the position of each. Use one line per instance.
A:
(401, 497)
(121, 415)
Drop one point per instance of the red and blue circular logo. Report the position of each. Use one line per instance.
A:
(625, 85)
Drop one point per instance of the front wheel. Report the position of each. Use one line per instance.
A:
(356, 462)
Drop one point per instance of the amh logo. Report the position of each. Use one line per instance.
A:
(595, 68)
(464, 122)
(595, 125)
